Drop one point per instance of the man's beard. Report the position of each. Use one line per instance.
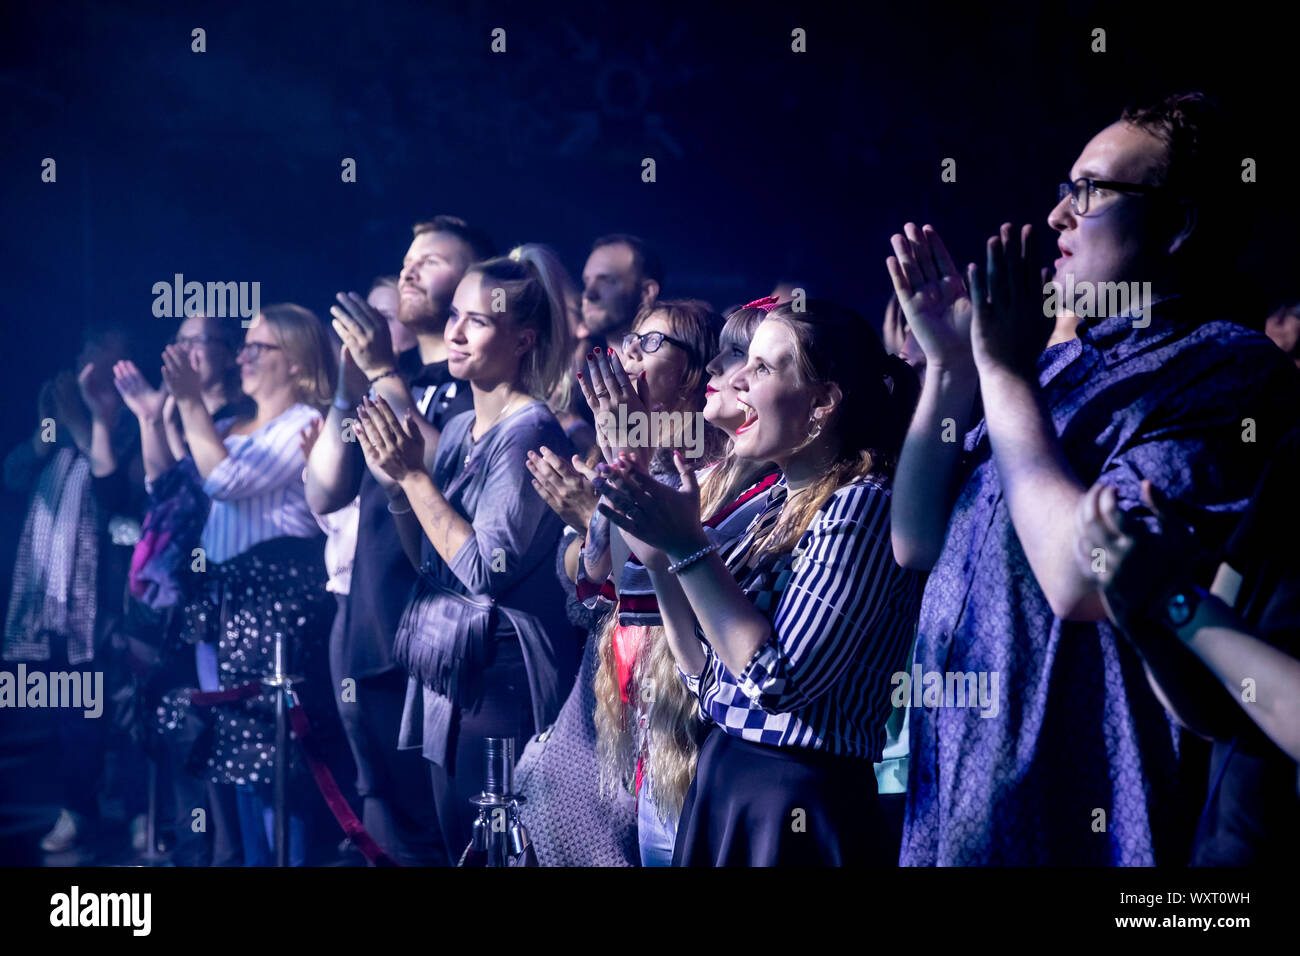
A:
(612, 320)
(422, 314)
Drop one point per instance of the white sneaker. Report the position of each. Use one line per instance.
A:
(64, 835)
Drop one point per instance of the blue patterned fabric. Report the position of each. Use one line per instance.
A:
(1078, 765)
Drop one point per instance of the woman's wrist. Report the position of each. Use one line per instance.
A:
(688, 546)
(412, 481)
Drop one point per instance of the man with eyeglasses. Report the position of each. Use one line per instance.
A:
(1080, 765)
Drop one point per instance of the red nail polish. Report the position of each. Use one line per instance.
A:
(580, 376)
(609, 351)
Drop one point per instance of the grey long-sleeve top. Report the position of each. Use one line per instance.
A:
(509, 557)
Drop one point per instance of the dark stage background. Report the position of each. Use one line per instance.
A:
(225, 165)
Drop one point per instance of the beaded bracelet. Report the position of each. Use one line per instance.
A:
(391, 371)
(686, 562)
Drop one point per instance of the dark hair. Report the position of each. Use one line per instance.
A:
(225, 329)
(741, 323)
(694, 322)
(644, 259)
(480, 245)
(1200, 165)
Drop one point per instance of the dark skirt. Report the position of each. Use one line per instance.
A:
(755, 805)
(275, 586)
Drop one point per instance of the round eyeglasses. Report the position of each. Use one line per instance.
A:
(649, 342)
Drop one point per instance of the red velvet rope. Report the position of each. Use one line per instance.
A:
(320, 771)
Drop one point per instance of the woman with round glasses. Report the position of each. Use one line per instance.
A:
(663, 373)
(262, 552)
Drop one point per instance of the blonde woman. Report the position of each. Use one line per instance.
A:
(484, 636)
(263, 554)
(789, 634)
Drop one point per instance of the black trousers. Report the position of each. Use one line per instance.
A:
(503, 710)
(397, 802)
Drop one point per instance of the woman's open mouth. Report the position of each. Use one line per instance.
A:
(751, 419)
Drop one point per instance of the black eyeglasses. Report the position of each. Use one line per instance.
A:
(255, 349)
(1082, 189)
(649, 342)
(193, 341)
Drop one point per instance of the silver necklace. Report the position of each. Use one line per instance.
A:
(495, 419)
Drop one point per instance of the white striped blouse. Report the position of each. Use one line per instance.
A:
(843, 618)
(257, 491)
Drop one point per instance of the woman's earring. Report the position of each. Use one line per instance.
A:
(816, 429)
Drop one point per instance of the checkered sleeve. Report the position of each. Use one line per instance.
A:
(700, 683)
(831, 607)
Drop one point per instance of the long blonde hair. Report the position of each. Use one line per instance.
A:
(670, 710)
(668, 707)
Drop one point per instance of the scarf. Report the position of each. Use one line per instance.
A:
(54, 589)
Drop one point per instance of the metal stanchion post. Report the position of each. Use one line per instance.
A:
(499, 837)
(280, 684)
(151, 855)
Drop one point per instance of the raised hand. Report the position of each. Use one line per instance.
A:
(70, 409)
(352, 381)
(364, 331)
(145, 402)
(660, 523)
(98, 393)
(1009, 328)
(565, 486)
(180, 376)
(395, 448)
(932, 296)
(893, 333)
(606, 387)
(307, 436)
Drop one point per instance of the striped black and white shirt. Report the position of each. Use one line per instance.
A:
(843, 617)
(257, 491)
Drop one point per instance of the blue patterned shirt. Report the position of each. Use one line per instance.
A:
(1078, 764)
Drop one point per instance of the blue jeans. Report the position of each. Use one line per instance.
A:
(256, 816)
(653, 835)
(257, 829)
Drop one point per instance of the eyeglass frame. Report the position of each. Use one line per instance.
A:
(257, 348)
(1068, 188)
(193, 341)
(663, 337)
